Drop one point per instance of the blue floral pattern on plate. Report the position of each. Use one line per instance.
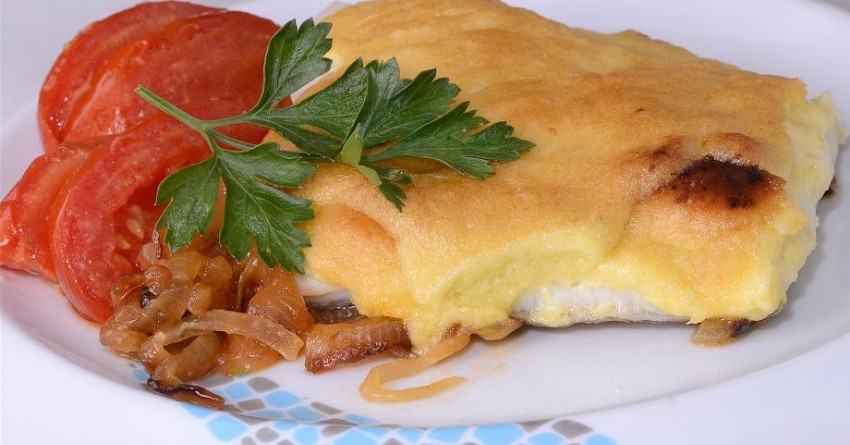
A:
(259, 411)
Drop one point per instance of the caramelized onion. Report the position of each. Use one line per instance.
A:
(278, 298)
(188, 393)
(122, 340)
(250, 275)
(193, 361)
(192, 312)
(217, 277)
(336, 313)
(245, 355)
(265, 331)
(186, 265)
(330, 345)
(720, 331)
(169, 286)
(373, 388)
(126, 289)
(163, 293)
(168, 306)
(117, 333)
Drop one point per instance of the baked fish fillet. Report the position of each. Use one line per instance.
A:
(663, 186)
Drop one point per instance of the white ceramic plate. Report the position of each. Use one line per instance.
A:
(787, 382)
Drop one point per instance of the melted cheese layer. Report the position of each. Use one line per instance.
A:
(683, 183)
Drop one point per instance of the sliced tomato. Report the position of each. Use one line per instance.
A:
(87, 209)
(76, 69)
(25, 213)
(107, 210)
(208, 57)
(89, 241)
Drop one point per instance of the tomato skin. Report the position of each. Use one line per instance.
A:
(76, 69)
(214, 56)
(25, 213)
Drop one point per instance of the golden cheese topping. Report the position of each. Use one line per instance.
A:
(684, 180)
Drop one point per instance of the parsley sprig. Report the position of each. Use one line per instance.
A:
(367, 116)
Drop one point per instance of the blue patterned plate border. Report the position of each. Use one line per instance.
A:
(259, 411)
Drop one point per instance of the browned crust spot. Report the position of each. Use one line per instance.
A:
(714, 183)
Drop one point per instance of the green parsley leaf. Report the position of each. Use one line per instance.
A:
(256, 210)
(366, 116)
(293, 59)
(446, 140)
(192, 194)
(391, 182)
(333, 110)
(400, 107)
(255, 206)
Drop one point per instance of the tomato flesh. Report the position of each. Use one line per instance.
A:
(202, 58)
(85, 246)
(26, 215)
(76, 69)
(107, 211)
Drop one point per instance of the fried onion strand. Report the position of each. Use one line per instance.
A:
(373, 387)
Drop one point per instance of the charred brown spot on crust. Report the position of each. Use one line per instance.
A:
(668, 148)
(663, 153)
(717, 183)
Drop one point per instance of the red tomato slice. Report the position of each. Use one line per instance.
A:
(90, 246)
(25, 216)
(74, 72)
(208, 57)
(107, 210)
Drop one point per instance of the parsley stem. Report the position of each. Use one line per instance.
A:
(171, 109)
(205, 128)
(233, 142)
